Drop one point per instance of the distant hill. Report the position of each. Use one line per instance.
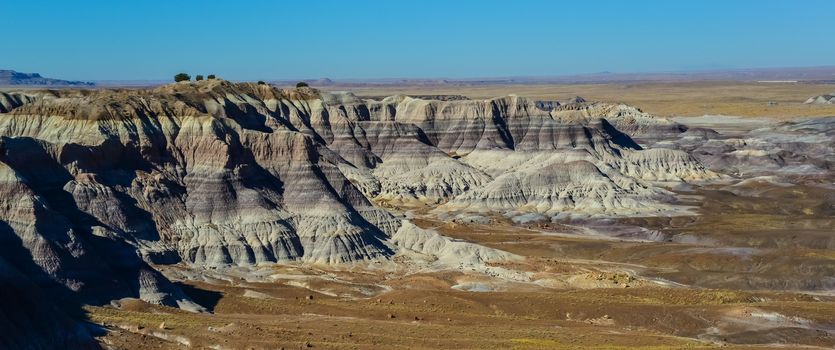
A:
(10, 77)
(822, 74)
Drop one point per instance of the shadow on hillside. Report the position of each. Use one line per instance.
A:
(35, 311)
(206, 298)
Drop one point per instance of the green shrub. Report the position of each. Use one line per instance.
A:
(211, 76)
(301, 84)
(198, 77)
(182, 77)
(261, 82)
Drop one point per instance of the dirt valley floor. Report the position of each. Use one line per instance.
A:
(746, 273)
(244, 216)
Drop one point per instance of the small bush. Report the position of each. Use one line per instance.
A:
(211, 76)
(182, 77)
(261, 82)
(198, 77)
(301, 84)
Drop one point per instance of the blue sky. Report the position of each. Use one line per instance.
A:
(248, 40)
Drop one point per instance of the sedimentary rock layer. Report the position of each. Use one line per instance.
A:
(100, 185)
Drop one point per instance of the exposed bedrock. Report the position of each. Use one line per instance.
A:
(100, 185)
(825, 99)
(803, 150)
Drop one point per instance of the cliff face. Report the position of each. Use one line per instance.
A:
(100, 185)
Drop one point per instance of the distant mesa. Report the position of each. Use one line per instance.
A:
(320, 82)
(10, 77)
(822, 100)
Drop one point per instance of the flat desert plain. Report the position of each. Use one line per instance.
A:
(745, 99)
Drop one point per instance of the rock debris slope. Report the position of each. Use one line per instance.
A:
(99, 185)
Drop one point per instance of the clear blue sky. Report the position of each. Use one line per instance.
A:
(248, 40)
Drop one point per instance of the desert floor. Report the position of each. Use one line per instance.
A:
(746, 99)
(741, 289)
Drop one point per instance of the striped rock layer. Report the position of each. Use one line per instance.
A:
(97, 186)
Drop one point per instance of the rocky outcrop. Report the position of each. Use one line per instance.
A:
(821, 100)
(801, 149)
(624, 118)
(47, 233)
(10, 101)
(446, 251)
(100, 185)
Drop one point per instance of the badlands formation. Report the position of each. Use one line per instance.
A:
(104, 192)
(828, 99)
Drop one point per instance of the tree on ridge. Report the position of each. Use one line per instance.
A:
(182, 77)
